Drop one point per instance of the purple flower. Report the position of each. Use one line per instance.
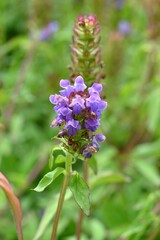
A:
(92, 124)
(77, 104)
(90, 149)
(95, 103)
(87, 152)
(78, 112)
(66, 113)
(99, 137)
(72, 126)
(97, 87)
(124, 27)
(68, 89)
(93, 147)
(48, 30)
(79, 84)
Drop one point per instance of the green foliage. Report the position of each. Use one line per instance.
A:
(48, 179)
(109, 177)
(147, 216)
(125, 191)
(80, 192)
(48, 215)
(93, 164)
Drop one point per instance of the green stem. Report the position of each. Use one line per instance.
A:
(81, 214)
(62, 195)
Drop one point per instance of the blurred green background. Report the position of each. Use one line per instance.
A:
(30, 70)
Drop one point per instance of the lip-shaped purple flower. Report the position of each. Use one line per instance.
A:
(79, 84)
(68, 89)
(92, 124)
(64, 83)
(55, 99)
(96, 104)
(66, 112)
(97, 87)
(72, 126)
(99, 137)
(77, 104)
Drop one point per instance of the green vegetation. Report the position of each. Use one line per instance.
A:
(125, 195)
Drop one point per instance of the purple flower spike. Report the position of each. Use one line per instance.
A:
(78, 112)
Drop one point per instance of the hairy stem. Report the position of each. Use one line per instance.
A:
(62, 195)
(81, 214)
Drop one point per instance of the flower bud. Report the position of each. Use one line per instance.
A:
(86, 52)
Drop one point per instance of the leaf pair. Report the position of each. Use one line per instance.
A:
(78, 187)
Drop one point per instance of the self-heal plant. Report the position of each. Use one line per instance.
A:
(86, 61)
(78, 108)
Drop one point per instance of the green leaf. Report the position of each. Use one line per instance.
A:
(99, 229)
(109, 177)
(51, 161)
(93, 164)
(149, 171)
(48, 179)
(60, 159)
(57, 155)
(154, 110)
(80, 192)
(146, 150)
